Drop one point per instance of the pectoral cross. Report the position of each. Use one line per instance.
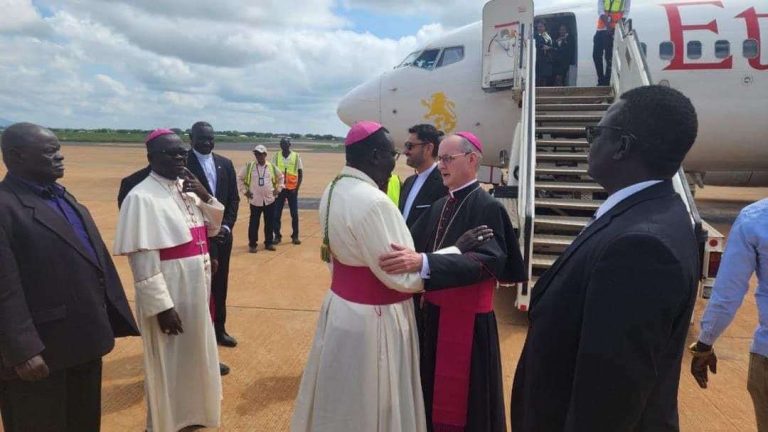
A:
(201, 244)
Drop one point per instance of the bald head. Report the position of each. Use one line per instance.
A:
(32, 152)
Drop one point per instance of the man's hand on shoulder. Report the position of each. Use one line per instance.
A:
(400, 261)
(170, 322)
(33, 369)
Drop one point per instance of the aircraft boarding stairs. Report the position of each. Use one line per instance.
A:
(565, 196)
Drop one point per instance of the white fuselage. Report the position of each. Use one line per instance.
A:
(729, 90)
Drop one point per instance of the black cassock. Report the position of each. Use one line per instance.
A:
(465, 279)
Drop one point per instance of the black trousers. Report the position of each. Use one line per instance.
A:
(253, 225)
(68, 400)
(603, 48)
(219, 283)
(293, 204)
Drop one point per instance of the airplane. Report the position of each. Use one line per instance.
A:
(708, 49)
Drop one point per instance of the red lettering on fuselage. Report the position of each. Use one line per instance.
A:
(752, 20)
(676, 30)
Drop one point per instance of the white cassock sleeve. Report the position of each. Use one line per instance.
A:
(152, 294)
(383, 225)
(213, 213)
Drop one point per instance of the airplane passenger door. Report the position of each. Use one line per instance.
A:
(506, 25)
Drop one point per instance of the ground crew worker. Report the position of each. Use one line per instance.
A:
(610, 13)
(393, 188)
(288, 163)
(260, 181)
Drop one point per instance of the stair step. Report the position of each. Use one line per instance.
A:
(562, 130)
(568, 204)
(560, 222)
(569, 118)
(555, 170)
(574, 91)
(568, 100)
(548, 240)
(569, 186)
(585, 107)
(579, 143)
(562, 156)
(543, 261)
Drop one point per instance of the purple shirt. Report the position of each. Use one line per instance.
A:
(53, 194)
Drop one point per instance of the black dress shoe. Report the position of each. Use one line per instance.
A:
(223, 369)
(226, 340)
(278, 239)
(296, 241)
(270, 247)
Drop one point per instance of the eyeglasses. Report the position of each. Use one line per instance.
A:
(594, 132)
(172, 152)
(409, 145)
(394, 153)
(447, 159)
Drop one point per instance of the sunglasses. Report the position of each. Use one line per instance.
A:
(409, 145)
(172, 152)
(594, 132)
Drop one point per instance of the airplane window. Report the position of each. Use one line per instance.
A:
(751, 48)
(722, 49)
(644, 47)
(694, 50)
(427, 59)
(451, 55)
(666, 50)
(409, 60)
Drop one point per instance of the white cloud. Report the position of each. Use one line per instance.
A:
(246, 65)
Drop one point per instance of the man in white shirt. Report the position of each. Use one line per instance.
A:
(426, 186)
(260, 181)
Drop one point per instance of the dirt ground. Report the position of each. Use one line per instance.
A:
(274, 298)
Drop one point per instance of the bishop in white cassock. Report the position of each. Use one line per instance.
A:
(163, 229)
(363, 367)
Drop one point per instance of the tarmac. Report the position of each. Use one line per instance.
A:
(274, 298)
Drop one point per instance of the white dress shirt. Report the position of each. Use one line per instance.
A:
(623, 194)
(209, 168)
(421, 178)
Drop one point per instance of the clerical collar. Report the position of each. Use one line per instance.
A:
(201, 156)
(462, 191)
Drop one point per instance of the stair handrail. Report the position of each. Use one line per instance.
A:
(527, 161)
(625, 77)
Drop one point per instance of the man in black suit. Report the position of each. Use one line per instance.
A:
(61, 300)
(426, 186)
(217, 174)
(128, 183)
(608, 321)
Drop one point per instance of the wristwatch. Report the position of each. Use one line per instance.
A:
(697, 352)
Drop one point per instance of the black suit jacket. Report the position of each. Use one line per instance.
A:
(432, 190)
(226, 185)
(54, 298)
(608, 322)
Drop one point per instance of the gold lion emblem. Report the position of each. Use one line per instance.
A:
(440, 111)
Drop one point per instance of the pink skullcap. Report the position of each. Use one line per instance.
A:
(360, 131)
(158, 132)
(475, 141)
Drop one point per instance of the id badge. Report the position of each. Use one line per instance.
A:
(261, 182)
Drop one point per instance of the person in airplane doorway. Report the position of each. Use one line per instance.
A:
(608, 321)
(217, 174)
(459, 344)
(565, 51)
(289, 163)
(61, 300)
(744, 255)
(610, 12)
(544, 51)
(260, 190)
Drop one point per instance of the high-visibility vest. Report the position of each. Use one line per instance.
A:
(615, 10)
(249, 174)
(393, 189)
(290, 171)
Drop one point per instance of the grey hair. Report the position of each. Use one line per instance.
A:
(468, 147)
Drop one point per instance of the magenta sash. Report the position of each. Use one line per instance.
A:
(455, 335)
(197, 246)
(360, 285)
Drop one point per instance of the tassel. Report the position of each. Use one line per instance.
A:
(325, 253)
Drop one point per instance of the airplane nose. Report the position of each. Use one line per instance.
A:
(361, 103)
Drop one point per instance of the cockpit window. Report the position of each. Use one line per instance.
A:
(409, 60)
(427, 59)
(451, 55)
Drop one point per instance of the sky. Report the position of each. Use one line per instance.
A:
(248, 65)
